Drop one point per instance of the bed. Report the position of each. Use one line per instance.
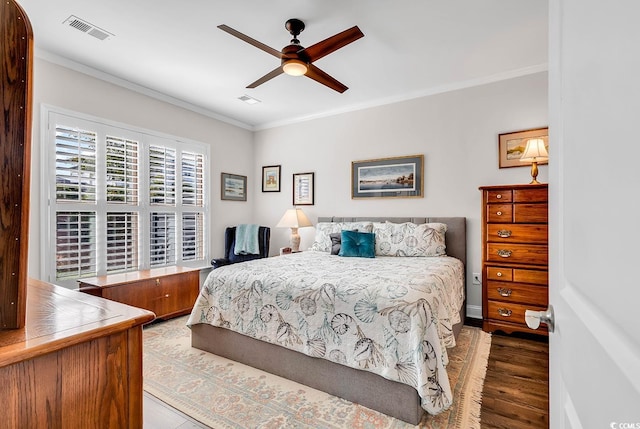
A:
(313, 318)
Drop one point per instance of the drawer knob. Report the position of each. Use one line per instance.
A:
(499, 196)
(157, 281)
(504, 253)
(504, 312)
(504, 292)
(166, 296)
(504, 233)
(499, 274)
(499, 213)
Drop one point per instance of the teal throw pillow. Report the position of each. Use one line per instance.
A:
(357, 244)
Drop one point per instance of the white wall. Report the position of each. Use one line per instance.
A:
(231, 146)
(456, 131)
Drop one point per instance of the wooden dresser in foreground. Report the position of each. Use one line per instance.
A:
(514, 255)
(76, 363)
(167, 291)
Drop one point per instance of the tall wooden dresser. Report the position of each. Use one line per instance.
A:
(514, 255)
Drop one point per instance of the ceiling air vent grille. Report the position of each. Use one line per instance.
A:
(85, 27)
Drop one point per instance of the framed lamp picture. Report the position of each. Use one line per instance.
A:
(511, 146)
(233, 187)
(399, 177)
(271, 178)
(303, 184)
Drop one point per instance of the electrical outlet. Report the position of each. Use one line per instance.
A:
(477, 279)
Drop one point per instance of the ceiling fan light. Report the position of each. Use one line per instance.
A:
(294, 68)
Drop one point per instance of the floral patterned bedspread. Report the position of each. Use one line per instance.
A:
(389, 315)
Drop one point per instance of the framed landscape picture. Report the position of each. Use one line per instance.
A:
(233, 187)
(398, 177)
(303, 189)
(511, 146)
(271, 178)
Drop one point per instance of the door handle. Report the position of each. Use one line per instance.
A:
(533, 318)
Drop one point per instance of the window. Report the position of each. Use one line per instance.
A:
(120, 199)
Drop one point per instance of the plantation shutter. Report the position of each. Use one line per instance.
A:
(192, 179)
(163, 239)
(75, 164)
(75, 244)
(192, 236)
(116, 198)
(162, 175)
(122, 242)
(122, 170)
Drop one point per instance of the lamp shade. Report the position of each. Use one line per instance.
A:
(535, 151)
(294, 218)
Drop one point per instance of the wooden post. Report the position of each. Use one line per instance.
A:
(16, 64)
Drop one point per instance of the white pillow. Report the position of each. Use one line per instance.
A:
(322, 242)
(410, 239)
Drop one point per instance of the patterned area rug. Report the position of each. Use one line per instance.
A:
(222, 393)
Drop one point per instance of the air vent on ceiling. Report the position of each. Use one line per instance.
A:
(248, 99)
(85, 27)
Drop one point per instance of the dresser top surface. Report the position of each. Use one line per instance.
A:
(523, 186)
(58, 317)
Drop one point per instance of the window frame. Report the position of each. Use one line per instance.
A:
(53, 116)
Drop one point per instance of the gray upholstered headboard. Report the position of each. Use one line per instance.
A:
(456, 237)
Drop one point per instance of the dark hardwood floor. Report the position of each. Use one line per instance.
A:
(516, 387)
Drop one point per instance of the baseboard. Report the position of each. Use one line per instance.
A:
(474, 312)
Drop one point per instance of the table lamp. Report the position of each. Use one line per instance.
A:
(294, 219)
(534, 152)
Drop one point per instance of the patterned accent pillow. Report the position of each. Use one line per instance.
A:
(322, 242)
(410, 239)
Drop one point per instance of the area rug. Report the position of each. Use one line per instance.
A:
(222, 394)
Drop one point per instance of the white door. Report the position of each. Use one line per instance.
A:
(594, 185)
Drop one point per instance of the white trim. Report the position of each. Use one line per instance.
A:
(474, 311)
(98, 74)
(412, 95)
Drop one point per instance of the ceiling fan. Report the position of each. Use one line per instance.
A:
(297, 60)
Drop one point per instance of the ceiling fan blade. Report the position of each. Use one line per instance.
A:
(273, 73)
(333, 43)
(250, 41)
(319, 76)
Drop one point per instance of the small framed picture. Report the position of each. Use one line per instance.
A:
(271, 178)
(511, 146)
(233, 187)
(303, 189)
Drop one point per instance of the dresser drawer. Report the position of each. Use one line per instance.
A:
(531, 276)
(530, 195)
(499, 273)
(517, 292)
(530, 213)
(535, 254)
(497, 213)
(509, 312)
(512, 233)
(501, 196)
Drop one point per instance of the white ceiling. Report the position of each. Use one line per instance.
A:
(174, 50)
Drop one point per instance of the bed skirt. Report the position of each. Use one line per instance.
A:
(362, 387)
